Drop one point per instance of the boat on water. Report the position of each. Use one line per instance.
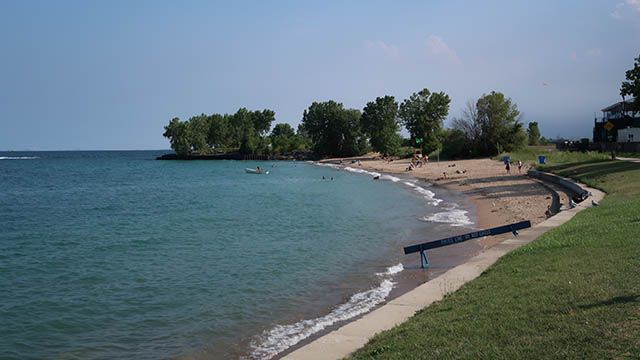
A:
(256, 171)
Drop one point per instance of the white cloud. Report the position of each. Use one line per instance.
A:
(635, 4)
(616, 12)
(628, 7)
(389, 50)
(594, 52)
(438, 47)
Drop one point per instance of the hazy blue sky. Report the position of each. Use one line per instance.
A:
(111, 74)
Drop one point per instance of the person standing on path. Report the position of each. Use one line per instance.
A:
(508, 167)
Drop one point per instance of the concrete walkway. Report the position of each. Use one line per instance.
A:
(635, 160)
(352, 336)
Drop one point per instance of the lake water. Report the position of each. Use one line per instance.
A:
(116, 255)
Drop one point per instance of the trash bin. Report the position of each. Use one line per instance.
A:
(542, 159)
(506, 159)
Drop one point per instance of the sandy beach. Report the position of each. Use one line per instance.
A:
(500, 198)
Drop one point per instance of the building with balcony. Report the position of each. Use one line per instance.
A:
(620, 123)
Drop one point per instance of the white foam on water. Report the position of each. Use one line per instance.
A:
(455, 217)
(335, 166)
(392, 270)
(282, 337)
(361, 171)
(18, 157)
(389, 177)
(429, 195)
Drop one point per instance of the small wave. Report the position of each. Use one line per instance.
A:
(389, 177)
(455, 217)
(361, 171)
(428, 194)
(335, 166)
(392, 270)
(282, 337)
(18, 157)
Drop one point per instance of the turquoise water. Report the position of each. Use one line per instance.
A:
(116, 255)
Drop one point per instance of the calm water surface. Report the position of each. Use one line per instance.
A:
(116, 255)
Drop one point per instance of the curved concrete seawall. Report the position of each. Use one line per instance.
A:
(568, 184)
(352, 336)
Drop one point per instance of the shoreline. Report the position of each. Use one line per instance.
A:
(499, 198)
(356, 332)
(489, 212)
(443, 260)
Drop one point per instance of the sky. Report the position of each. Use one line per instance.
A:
(109, 75)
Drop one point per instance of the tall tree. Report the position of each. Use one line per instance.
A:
(262, 120)
(219, 131)
(533, 132)
(176, 132)
(631, 87)
(499, 123)
(469, 126)
(283, 138)
(334, 130)
(379, 121)
(423, 114)
(197, 131)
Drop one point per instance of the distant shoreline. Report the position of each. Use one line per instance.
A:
(238, 156)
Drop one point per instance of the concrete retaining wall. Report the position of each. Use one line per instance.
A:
(568, 184)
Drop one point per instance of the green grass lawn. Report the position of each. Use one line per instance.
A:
(573, 293)
(530, 154)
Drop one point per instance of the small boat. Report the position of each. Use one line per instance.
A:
(256, 171)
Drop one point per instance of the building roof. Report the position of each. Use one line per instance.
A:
(629, 105)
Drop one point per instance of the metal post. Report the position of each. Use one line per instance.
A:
(424, 261)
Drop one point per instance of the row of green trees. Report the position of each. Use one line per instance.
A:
(489, 126)
(337, 131)
(245, 131)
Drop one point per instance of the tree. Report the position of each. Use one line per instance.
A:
(490, 125)
(533, 132)
(262, 120)
(283, 138)
(333, 130)
(379, 121)
(455, 144)
(632, 85)
(423, 114)
(197, 131)
(219, 131)
(200, 134)
(469, 126)
(499, 124)
(248, 128)
(176, 132)
(302, 139)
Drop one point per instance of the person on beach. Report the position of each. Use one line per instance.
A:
(508, 167)
(519, 167)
